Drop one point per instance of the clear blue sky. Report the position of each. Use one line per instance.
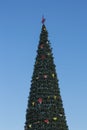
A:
(20, 26)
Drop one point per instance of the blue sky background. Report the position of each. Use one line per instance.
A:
(20, 26)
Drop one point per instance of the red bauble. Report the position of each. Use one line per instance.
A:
(43, 57)
(46, 121)
(40, 100)
(45, 76)
(41, 46)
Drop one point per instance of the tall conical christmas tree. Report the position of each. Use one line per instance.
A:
(45, 109)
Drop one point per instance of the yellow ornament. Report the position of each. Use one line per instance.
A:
(48, 54)
(60, 115)
(48, 97)
(44, 29)
(33, 103)
(55, 97)
(54, 118)
(53, 75)
(30, 126)
(37, 77)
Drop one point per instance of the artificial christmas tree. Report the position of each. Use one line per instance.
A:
(45, 109)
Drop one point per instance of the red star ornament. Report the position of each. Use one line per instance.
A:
(43, 20)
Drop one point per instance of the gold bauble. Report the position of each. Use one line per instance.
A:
(48, 97)
(37, 77)
(33, 103)
(48, 54)
(55, 97)
(53, 75)
(30, 126)
(44, 29)
(54, 118)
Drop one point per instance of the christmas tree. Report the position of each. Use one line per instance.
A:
(45, 108)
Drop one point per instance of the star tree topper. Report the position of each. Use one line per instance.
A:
(43, 20)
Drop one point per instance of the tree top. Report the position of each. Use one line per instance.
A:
(43, 20)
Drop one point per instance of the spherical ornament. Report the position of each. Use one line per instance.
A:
(48, 97)
(37, 122)
(46, 121)
(37, 77)
(53, 75)
(48, 54)
(44, 29)
(40, 100)
(30, 125)
(60, 115)
(33, 103)
(54, 118)
(47, 42)
(45, 76)
(43, 57)
(55, 97)
(41, 46)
